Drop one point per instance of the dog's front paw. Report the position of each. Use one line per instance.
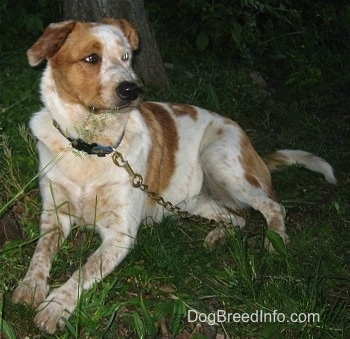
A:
(53, 310)
(30, 292)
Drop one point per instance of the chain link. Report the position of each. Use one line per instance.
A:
(137, 182)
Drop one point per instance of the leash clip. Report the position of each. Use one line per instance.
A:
(136, 178)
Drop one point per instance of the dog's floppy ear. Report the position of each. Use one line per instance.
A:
(127, 28)
(50, 42)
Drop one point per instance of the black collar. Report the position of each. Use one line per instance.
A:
(92, 149)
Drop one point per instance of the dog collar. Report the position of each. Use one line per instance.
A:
(91, 149)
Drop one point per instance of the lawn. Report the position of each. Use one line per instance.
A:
(170, 284)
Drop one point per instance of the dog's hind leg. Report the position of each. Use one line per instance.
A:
(238, 178)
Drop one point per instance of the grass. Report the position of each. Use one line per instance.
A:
(170, 272)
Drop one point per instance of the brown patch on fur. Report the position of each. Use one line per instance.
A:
(50, 42)
(256, 171)
(276, 224)
(76, 80)
(184, 110)
(161, 160)
(220, 131)
(275, 161)
(253, 180)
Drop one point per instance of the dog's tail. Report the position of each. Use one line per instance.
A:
(282, 158)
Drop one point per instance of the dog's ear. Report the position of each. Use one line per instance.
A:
(127, 28)
(50, 42)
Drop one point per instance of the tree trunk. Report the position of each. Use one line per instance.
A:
(148, 61)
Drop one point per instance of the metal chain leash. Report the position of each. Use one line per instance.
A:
(137, 182)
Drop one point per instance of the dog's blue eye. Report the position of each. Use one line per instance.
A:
(92, 58)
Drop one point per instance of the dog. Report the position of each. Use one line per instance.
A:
(198, 160)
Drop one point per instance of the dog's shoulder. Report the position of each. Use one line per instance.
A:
(41, 123)
(43, 129)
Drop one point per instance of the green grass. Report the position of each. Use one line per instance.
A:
(169, 272)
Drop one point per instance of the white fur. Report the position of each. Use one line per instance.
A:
(309, 161)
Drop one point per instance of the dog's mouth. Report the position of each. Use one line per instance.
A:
(125, 108)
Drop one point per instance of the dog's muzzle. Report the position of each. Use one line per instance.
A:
(128, 91)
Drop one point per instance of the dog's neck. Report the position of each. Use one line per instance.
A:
(93, 148)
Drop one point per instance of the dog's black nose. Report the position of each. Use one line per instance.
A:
(128, 91)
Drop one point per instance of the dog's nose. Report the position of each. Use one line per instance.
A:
(128, 91)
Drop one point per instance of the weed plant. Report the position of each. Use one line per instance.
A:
(169, 274)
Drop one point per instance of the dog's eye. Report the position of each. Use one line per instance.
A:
(126, 56)
(92, 58)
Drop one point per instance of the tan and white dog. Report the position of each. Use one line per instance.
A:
(194, 158)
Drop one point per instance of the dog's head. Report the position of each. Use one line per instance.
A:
(90, 62)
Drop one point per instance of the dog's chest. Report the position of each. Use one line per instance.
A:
(78, 169)
(88, 186)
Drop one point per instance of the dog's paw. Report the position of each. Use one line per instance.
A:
(53, 310)
(30, 292)
(237, 220)
(215, 238)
